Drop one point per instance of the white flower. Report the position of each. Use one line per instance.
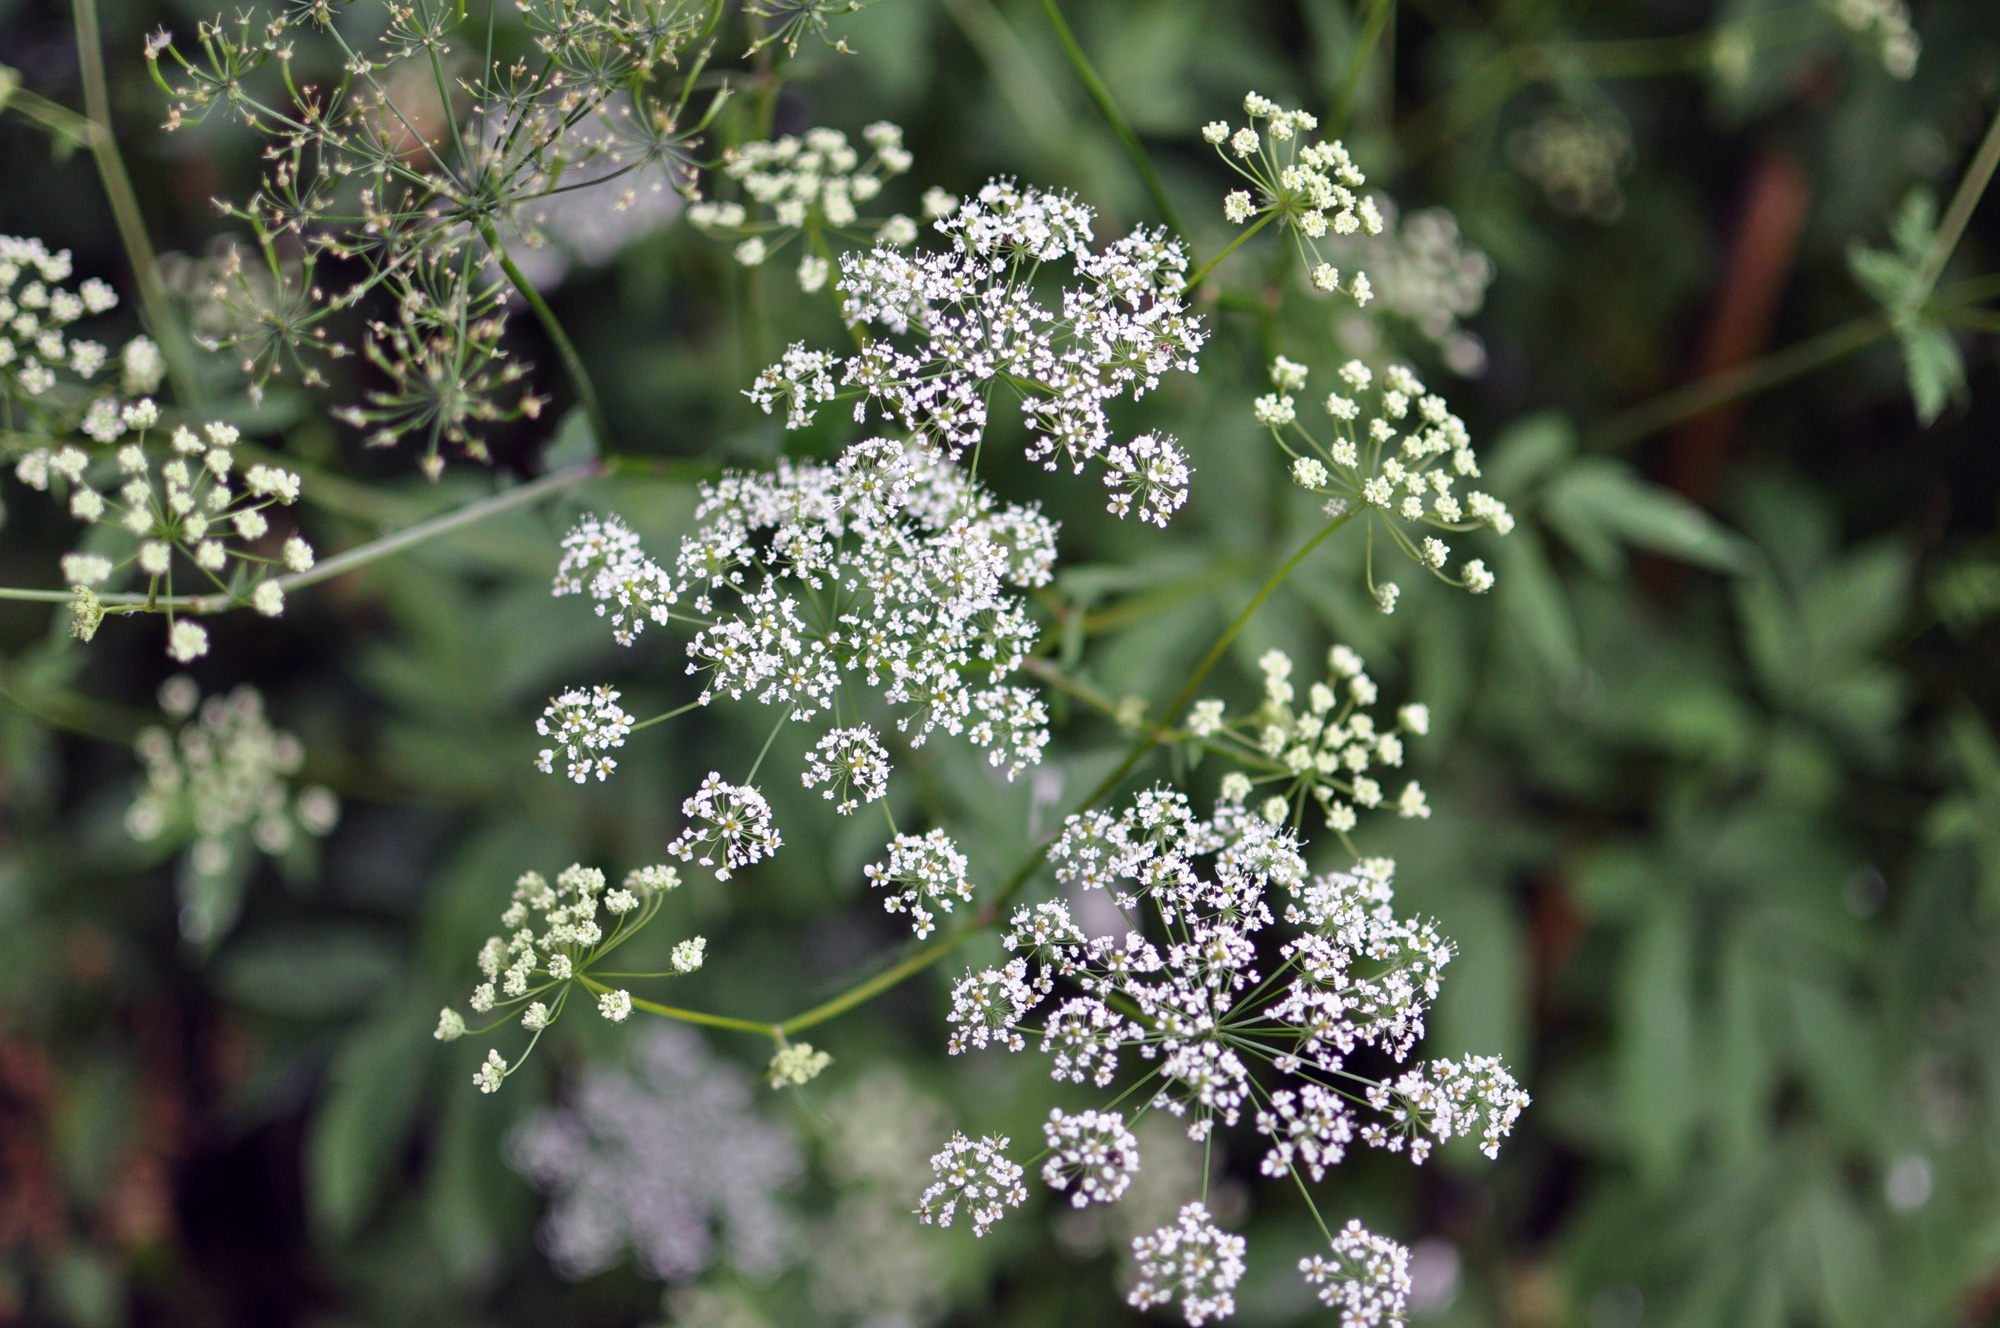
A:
(796, 1064)
(1477, 579)
(85, 569)
(492, 1073)
(142, 367)
(1237, 207)
(949, 325)
(1367, 1279)
(980, 1176)
(813, 271)
(987, 1005)
(898, 231)
(1308, 473)
(669, 1159)
(751, 252)
(729, 820)
(615, 1006)
(1151, 469)
(1093, 1149)
(298, 555)
(1411, 802)
(1274, 411)
(851, 763)
(451, 1025)
(939, 204)
(1205, 720)
(268, 599)
(604, 559)
(1193, 1261)
(688, 955)
(925, 871)
(585, 726)
(187, 640)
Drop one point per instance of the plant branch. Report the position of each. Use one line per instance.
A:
(1959, 213)
(174, 346)
(1101, 95)
(374, 551)
(1372, 28)
(1202, 272)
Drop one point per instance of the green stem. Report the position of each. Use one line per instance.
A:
(374, 551)
(174, 346)
(881, 982)
(661, 719)
(1372, 28)
(691, 1016)
(1101, 95)
(1202, 272)
(579, 377)
(1970, 189)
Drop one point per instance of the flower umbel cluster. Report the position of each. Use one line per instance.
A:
(584, 725)
(952, 326)
(1094, 1150)
(192, 508)
(888, 567)
(1367, 1278)
(924, 871)
(1194, 1261)
(538, 971)
(1427, 273)
(978, 1175)
(728, 828)
(1310, 189)
(671, 1160)
(853, 766)
(808, 187)
(1888, 23)
(1325, 748)
(220, 784)
(35, 315)
(1226, 1021)
(1398, 470)
(413, 216)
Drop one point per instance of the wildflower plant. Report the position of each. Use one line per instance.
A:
(1310, 189)
(1393, 454)
(157, 508)
(219, 783)
(557, 937)
(810, 188)
(388, 189)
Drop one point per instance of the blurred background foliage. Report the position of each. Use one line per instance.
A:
(1717, 787)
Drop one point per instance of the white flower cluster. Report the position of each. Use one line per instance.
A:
(187, 507)
(1577, 160)
(1325, 748)
(1367, 1279)
(1194, 1261)
(1311, 189)
(796, 1064)
(852, 764)
(1398, 479)
(584, 725)
(1092, 1149)
(980, 1176)
(603, 559)
(889, 565)
(218, 781)
(966, 320)
(1445, 1099)
(727, 821)
(1200, 1005)
(810, 185)
(1888, 22)
(581, 921)
(670, 1161)
(924, 871)
(1426, 272)
(34, 315)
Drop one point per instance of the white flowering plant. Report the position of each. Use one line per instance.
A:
(1110, 804)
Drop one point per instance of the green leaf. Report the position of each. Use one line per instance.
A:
(1597, 504)
(575, 442)
(1529, 449)
(359, 1130)
(306, 973)
(1657, 1073)
(1935, 367)
(1534, 606)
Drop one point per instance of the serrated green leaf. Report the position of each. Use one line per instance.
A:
(1934, 365)
(1598, 504)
